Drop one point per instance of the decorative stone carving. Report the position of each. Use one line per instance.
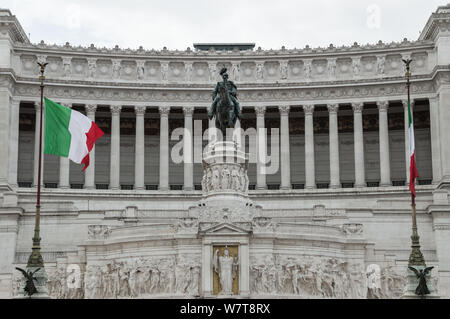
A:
(189, 224)
(235, 66)
(140, 69)
(115, 109)
(383, 106)
(307, 276)
(188, 111)
(381, 60)
(284, 69)
(90, 109)
(188, 71)
(357, 107)
(331, 67)
(333, 108)
(98, 231)
(259, 73)
(284, 109)
(352, 229)
(164, 110)
(373, 274)
(260, 110)
(41, 59)
(229, 177)
(263, 224)
(164, 71)
(139, 109)
(356, 66)
(116, 68)
(92, 67)
(212, 71)
(67, 66)
(308, 109)
(226, 267)
(307, 69)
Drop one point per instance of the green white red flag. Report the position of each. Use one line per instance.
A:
(413, 173)
(69, 133)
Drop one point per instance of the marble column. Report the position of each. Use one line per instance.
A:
(89, 173)
(261, 148)
(360, 175)
(188, 151)
(114, 172)
(285, 157)
(385, 163)
(164, 148)
(335, 180)
(435, 140)
(139, 155)
(405, 113)
(64, 165)
(310, 172)
(13, 142)
(37, 107)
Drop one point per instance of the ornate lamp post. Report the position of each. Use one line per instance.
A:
(35, 263)
(418, 273)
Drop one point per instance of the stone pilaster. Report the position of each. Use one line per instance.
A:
(435, 140)
(405, 113)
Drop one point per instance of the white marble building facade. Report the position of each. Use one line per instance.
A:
(337, 204)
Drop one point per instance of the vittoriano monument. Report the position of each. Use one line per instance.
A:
(225, 106)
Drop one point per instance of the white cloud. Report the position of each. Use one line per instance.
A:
(178, 24)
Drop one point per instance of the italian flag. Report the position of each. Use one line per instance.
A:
(413, 174)
(69, 133)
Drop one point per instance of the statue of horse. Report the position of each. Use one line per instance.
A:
(225, 112)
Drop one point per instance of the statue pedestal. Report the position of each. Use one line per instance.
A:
(40, 284)
(412, 284)
(225, 215)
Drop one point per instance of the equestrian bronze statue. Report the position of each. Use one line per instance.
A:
(225, 106)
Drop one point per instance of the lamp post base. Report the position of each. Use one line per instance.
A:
(40, 284)
(413, 282)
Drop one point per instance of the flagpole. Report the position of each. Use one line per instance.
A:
(416, 256)
(35, 260)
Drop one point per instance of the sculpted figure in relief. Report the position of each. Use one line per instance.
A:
(225, 178)
(116, 69)
(226, 268)
(235, 71)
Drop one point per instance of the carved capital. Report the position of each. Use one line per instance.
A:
(260, 110)
(164, 110)
(308, 109)
(188, 111)
(139, 109)
(333, 108)
(90, 108)
(357, 107)
(284, 109)
(115, 109)
(383, 106)
(405, 104)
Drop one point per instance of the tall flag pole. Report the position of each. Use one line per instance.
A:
(35, 260)
(416, 257)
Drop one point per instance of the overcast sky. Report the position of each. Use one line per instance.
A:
(177, 24)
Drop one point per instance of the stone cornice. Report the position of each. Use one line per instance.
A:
(10, 25)
(258, 54)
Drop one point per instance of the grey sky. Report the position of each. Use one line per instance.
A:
(177, 24)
